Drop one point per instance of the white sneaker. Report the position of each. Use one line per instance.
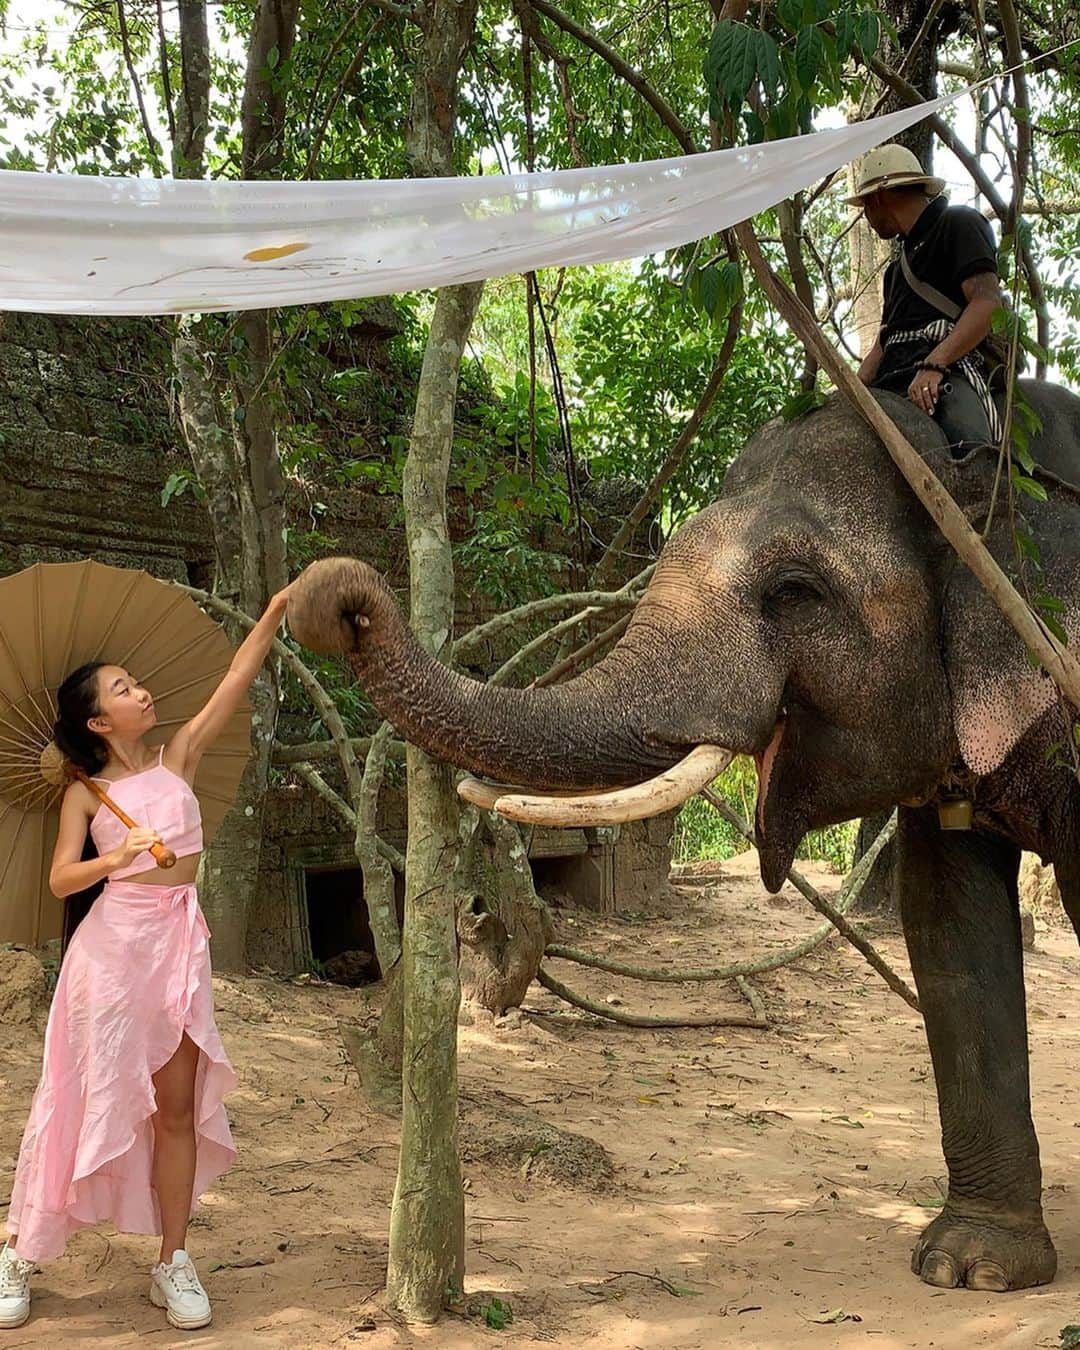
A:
(176, 1288)
(14, 1288)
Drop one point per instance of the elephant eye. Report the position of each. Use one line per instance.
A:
(790, 596)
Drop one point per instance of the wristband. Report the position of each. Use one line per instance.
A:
(933, 365)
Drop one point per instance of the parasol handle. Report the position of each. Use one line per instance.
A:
(164, 857)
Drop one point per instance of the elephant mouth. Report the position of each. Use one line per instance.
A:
(665, 791)
(765, 761)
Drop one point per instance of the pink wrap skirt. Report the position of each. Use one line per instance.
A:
(135, 978)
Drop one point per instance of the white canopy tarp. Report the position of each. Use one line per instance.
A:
(71, 244)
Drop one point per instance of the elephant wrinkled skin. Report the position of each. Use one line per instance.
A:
(814, 618)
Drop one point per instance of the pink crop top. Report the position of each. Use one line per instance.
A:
(157, 799)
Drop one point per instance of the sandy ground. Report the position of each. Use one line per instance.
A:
(768, 1185)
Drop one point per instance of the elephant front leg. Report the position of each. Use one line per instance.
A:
(962, 924)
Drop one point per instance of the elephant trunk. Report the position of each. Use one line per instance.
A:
(590, 732)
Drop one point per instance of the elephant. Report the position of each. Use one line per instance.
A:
(814, 618)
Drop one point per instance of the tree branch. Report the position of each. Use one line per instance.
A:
(623, 69)
(318, 784)
(336, 97)
(594, 600)
(626, 1019)
(315, 780)
(598, 643)
(163, 67)
(133, 75)
(285, 754)
(823, 906)
(324, 704)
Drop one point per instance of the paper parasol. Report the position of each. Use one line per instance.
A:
(53, 618)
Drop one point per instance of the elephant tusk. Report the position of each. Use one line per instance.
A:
(485, 795)
(664, 792)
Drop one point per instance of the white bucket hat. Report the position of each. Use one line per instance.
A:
(891, 166)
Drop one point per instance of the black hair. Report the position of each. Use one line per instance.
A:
(77, 702)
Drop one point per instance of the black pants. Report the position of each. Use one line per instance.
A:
(959, 413)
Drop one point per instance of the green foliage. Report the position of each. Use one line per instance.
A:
(356, 709)
(180, 482)
(502, 560)
(784, 71)
(701, 832)
(497, 1313)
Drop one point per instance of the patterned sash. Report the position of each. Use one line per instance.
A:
(971, 366)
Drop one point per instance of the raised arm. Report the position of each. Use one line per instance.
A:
(194, 738)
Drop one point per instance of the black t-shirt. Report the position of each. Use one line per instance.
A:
(945, 247)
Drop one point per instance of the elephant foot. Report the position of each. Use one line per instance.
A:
(963, 1252)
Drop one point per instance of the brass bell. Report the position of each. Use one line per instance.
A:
(955, 813)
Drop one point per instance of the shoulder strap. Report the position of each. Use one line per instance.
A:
(926, 292)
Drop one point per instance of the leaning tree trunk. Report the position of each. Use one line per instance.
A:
(880, 894)
(503, 925)
(239, 469)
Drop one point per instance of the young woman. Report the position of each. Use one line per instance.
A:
(127, 1122)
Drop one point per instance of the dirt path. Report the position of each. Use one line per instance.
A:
(763, 1181)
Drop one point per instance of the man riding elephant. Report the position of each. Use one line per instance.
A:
(940, 295)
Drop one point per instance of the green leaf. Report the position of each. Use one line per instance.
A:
(809, 52)
(845, 33)
(1056, 629)
(709, 289)
(496, 1314)
(732, 60)
(755, 127)
(1028, 486)
(805, 401)
(790, 14)
(1049, 604)
(1070, 1337)
(1032, 348)
(175, 486)
(768, 63)
(1028, 546)
(867, 32)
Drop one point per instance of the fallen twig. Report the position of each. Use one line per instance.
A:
(640, 1019)
(665, 1285)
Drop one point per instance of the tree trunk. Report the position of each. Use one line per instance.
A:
(916, 51)
(869, 256)
(240, 471)
(503, 925)
(427, 1219)
(379, 891)
(376, 1054)
(427, 1238)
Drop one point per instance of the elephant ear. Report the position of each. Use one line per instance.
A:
(997, 694)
